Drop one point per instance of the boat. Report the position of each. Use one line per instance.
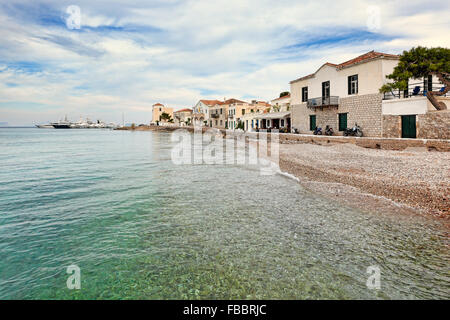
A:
(45, 126)
(62, 124)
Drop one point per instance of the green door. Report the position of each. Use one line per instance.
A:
(342, 121)
(312, 122)
(409, 126)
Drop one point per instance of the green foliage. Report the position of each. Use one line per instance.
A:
(166, 116)
(417, 63)
(285, 93)
(133, 126)
(240, 125)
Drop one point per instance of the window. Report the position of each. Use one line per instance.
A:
(353, 84)
(243, 111)
(160, 110)
(282, 122)
(221, 122)
(216, 122)
(325, 90)
(304, 94)
(220, 110)
(428, 83)
(342, 121)
(252, 124)
(312, 122)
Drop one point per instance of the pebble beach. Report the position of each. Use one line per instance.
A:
(414, 178)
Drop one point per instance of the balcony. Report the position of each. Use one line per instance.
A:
(415, 90)
(230, 116)
(320, 102)
(214, 115)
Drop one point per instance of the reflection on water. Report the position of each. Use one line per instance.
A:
(138, 226)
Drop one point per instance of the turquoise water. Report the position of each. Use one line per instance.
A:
(140, 227)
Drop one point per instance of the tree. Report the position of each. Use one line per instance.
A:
(418, 63)
(165, 116)
(285, 93)
(240, 125)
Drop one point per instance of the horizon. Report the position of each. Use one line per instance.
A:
(124, 57)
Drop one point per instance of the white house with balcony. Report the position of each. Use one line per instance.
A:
(340, 95)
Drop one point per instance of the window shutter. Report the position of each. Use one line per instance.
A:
(349, 85)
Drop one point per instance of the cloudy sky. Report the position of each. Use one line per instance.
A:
(127, 55)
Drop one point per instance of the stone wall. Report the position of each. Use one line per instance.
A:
(392, 126)
(365, 110)
(433, 125)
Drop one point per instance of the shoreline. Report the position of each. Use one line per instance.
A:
(404, 179)
(361, 182)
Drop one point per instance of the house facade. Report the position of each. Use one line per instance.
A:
(157, 110)
(340, 95)
(281, 104)
(183, 117)
(236, 109)
(200, 112)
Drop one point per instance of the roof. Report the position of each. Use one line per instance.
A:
(369, 56)
(158, 104)
(230, 101)
(274, 115)
(283, 97)
(184, 110)
(210, 102)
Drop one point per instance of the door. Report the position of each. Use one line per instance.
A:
(342, 121)
(409, 126)
(312, 122)
(325, 92)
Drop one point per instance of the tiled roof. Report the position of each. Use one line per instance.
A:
(211, 102)
(283, 97)
(366, 57)
(158, 104)
(230, 101)
(369, 56)
(184, 110)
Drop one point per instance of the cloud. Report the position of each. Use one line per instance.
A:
(129, 55)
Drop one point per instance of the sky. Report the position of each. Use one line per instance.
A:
(121, 57)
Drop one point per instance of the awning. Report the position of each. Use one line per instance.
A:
(274, 115)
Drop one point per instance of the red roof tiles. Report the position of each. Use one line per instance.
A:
(369, 56)
(183, 110)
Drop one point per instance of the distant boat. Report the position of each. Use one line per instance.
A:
(62, 124)
(81, 124)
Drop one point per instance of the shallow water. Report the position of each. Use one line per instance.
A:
(140, 227)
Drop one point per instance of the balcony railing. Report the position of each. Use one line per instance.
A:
(323, 102)
(214, 115)
(230, 116)
(414, 90)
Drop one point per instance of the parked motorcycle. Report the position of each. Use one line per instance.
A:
(329, 131)
(318, 131)
(355, 131)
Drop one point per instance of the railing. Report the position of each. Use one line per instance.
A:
(230, 116)
(323, 102)
(214, 115)
(414, 90)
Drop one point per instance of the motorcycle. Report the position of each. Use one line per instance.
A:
(355, 131)
(329, 131)
(317, 131)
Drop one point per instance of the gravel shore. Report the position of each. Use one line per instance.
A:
(380, 179)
